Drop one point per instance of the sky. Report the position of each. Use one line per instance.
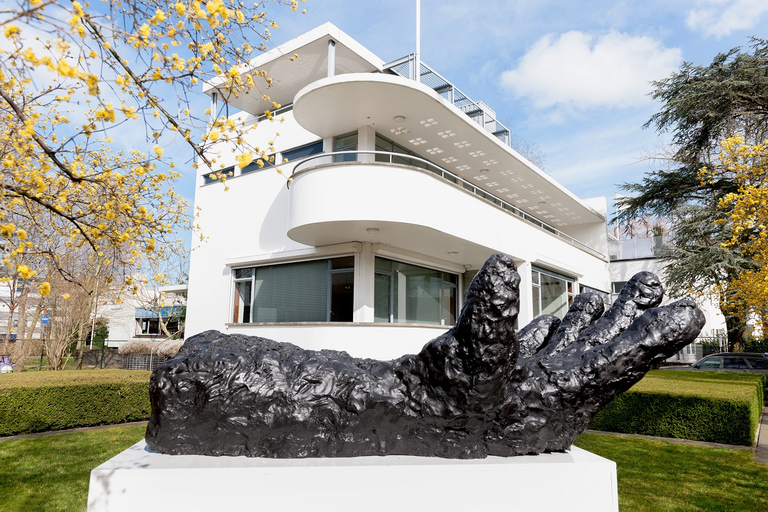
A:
(571, 77)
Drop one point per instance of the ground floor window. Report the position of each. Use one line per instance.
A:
(309, 291)
(148, 320)
(405, 293)
(552, 293)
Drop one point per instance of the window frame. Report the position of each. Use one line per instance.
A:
(441, 304)
(570, 288)
(253, 276)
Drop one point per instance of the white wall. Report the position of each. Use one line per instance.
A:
(248, 223)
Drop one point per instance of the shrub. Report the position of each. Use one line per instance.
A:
(167, 348)
(701, 406)
(42, 401)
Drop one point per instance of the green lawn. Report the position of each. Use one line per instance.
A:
(662, 476)
(50, 473)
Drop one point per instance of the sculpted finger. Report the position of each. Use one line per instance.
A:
(536, 334)
(657, 334)
(586, 308)
(487, 320)
(642, 292)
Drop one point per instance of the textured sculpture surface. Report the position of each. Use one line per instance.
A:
(472, 392)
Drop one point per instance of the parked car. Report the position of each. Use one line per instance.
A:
(752, 362)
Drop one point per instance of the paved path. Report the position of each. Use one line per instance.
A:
(761, 453)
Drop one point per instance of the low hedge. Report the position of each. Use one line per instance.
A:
(716, 407)
(41, 401)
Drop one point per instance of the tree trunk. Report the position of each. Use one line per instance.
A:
(736, 328)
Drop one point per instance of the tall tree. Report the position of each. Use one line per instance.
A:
(78, 81)
(748, 219)
(701, 106)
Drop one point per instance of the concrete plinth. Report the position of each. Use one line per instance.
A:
(138, 479)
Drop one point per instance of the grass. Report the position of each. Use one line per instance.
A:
(51, 473)
(664, 476)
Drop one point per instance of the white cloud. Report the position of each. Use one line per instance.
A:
(722, 17)
(578, 71)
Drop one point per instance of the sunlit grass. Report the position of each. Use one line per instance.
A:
(51, 473)
(665, 476)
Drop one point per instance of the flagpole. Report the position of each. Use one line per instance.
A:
(417, 72)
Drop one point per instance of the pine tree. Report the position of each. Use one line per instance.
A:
(701, 107)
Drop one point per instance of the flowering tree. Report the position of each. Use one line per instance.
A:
(700, 107)
(72, 77)
(747, 166)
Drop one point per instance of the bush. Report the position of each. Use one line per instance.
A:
(701, 406)
(42, 401)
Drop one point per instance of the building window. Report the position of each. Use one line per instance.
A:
(552, 293)
(405, 293)
(384, 144)
(212, 177)
(346, 142)
(148, 320)
(309, 291)
(302, 152)
(266, 162)
(616, 287)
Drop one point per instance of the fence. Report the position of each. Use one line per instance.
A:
(32, 354)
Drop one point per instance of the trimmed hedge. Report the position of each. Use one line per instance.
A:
(716, 407)
(41, 401)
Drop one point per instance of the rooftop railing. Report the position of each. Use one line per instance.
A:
(478, 111)
(325, 159)
(637, 248)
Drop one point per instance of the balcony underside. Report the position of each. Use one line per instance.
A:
(409, 209)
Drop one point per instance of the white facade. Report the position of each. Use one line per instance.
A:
(424, 194)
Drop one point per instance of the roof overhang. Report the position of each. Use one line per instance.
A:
(290, 74)
(418, 118)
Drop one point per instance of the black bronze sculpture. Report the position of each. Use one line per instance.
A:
(472, 392)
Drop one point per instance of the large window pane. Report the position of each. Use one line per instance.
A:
(242, 307)
(302, 152)
(552, 294)
(382, 300)
(346, 142)
(450, 298)
(291, 293)
(342, 295)
(414, 294)
(312, 291)
(554, 300)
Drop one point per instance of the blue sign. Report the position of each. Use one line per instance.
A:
(45, 319)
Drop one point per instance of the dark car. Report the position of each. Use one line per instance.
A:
(752, 362)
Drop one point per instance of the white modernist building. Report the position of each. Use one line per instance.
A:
(399, 191)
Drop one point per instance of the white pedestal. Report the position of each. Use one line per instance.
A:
(138, 479)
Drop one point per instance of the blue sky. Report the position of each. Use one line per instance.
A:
(570, 77)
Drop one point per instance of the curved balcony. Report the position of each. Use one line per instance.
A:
(404, 201)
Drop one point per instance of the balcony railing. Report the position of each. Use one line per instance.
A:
(637, 248)
(324, 159)
(478, 111)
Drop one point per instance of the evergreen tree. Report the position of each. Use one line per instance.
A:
(702, 106)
